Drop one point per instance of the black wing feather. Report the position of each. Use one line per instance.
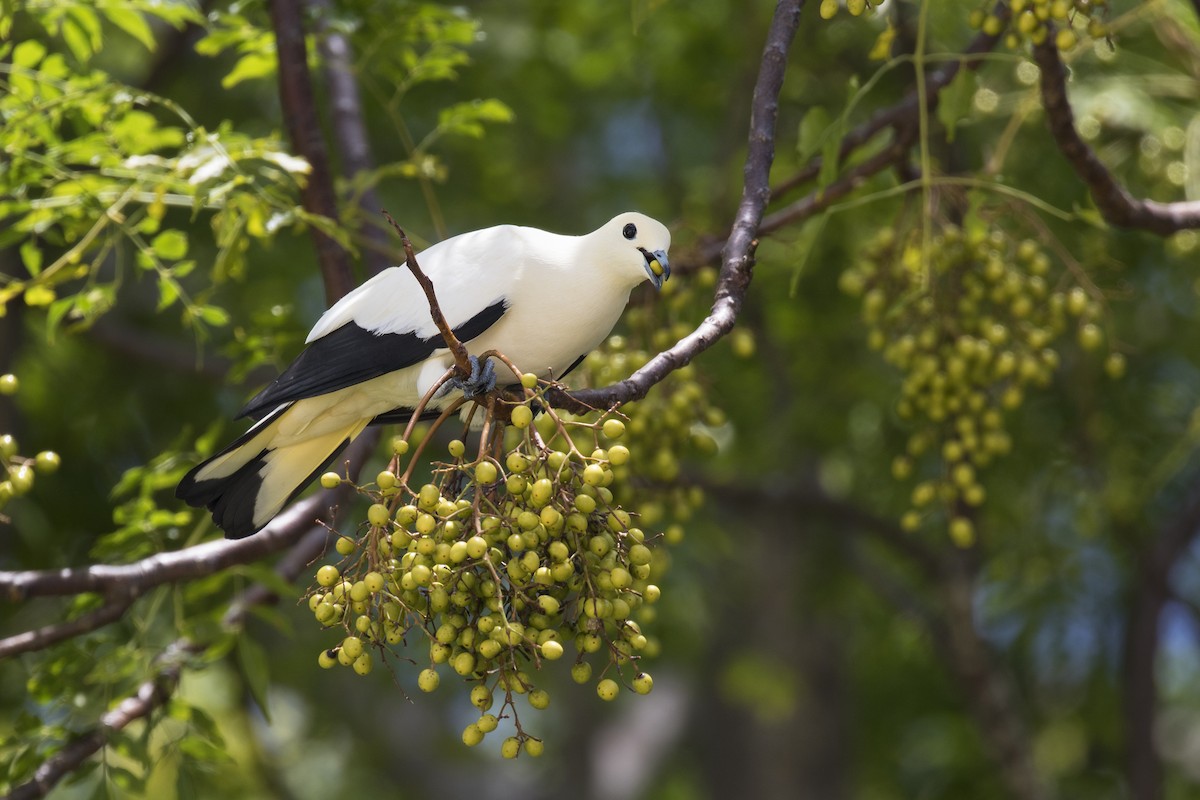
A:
(351, 355)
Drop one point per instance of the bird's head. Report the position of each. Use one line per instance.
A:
(638, 247)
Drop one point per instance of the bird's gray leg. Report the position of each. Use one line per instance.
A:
(481, 380)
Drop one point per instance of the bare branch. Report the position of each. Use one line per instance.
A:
(48, 635)
(191, 562)
(435, 310)
(304, 129)
(1114, 201)
(738, 254)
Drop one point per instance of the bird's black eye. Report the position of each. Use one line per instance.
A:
(630, 231)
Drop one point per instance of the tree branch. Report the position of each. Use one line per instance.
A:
(1114, 201)
(349, 129)
(191, 562)
(304, 129)
(151, 695)
(48, 635)
(738, 253)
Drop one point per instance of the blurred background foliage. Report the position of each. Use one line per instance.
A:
(156, 268)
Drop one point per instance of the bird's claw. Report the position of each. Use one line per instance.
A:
(481, 380)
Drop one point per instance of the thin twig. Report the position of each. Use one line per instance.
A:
(435, 310)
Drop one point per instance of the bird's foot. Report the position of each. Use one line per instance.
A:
(481, 380)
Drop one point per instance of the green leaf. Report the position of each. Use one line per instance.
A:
(82, 32)
(805, 243)
(132, 23)
(829, 158)
(813, 129)
(955, 101)
(31, 255)
(171, 245)
(213, 315)
(28, 54)
(253, 661)
(249, 67)
(168, 293)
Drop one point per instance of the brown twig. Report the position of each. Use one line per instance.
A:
(1113, 200)
(435, 310)
(41, 638)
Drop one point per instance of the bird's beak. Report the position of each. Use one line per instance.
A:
(657, 267)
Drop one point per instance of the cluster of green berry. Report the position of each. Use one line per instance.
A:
(17, 471)
(498, 564)
(1033, 20)
(971, 323)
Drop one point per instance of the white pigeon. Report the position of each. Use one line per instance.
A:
(542, 299)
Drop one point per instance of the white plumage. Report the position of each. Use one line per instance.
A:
(544, 300)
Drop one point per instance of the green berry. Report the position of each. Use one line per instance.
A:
(428, 680)
(487, 723)
(529, 380)
(511, 747)
(352, 646)
(9, 384)
(581, 672)
(47, 462)
(539, 699)
(552, 650)
(613, 428)
(608, 689)
(481, 698)
(328, 575)
(485, 472)
(593, 474)
(378, 515)
(534, 747)
(618, 455)
(374, 582)
(457, 448)
(399, 445)
(522, 416)
(327, 659)
(643, 683)
(472, 735)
